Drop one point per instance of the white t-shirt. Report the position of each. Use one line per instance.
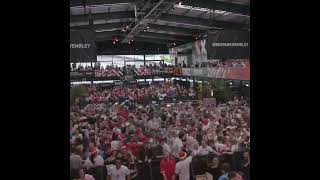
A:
(115, 145)
(182, 169)
(118, 174)
(235, 148)
(88, 177)
(204, 151)
(98, 161)
(166, 148)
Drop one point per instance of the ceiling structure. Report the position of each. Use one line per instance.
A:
(151, 26)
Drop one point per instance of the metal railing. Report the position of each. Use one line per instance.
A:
(151, 170)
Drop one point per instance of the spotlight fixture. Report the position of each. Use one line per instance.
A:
(144, 30)
(114, 42)
(129, 42)
(230, 83)
(148, 27)
(247, 85)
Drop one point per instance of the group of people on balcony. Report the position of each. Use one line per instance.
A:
(240, 63)
(157, 91)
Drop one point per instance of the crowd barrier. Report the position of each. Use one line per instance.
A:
(151, 170)
(235, 73)
(80, 73)
(108, 73)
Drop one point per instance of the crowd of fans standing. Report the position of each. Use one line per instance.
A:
(122, 138)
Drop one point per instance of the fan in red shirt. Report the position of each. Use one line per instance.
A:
(142, 138)
(133, 147)
(123, 112)
(96, 99)
(167, 167)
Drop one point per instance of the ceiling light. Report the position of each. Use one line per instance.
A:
(247, 85)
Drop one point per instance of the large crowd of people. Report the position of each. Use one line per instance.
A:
(191, 138)
(155, 92)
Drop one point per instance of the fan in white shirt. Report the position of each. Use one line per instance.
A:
(98, 160)
(84, 176)
(118, 172)
(204, 149)
(182, 167)
(176, 145)
(220, 146)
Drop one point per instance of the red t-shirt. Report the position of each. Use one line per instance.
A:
(143, 138)
(168, 166)
(124, 113)
(133, 147)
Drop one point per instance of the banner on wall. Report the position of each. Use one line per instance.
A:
(200, 48)
(173, 52)
(228, 44)
(82, 45)
(234, 73)
(199, 51)
(239, 74)
(186, 71)
(220, 72)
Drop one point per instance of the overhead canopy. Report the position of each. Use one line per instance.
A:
(159, 23)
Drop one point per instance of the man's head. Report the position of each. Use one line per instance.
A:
(246, 155)
(82, 173)
(234, 176)
(204, 144)
(225, 167)
(220, 139)
(215, 161)
(118, 163)
(195, 146)
(166, 154)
